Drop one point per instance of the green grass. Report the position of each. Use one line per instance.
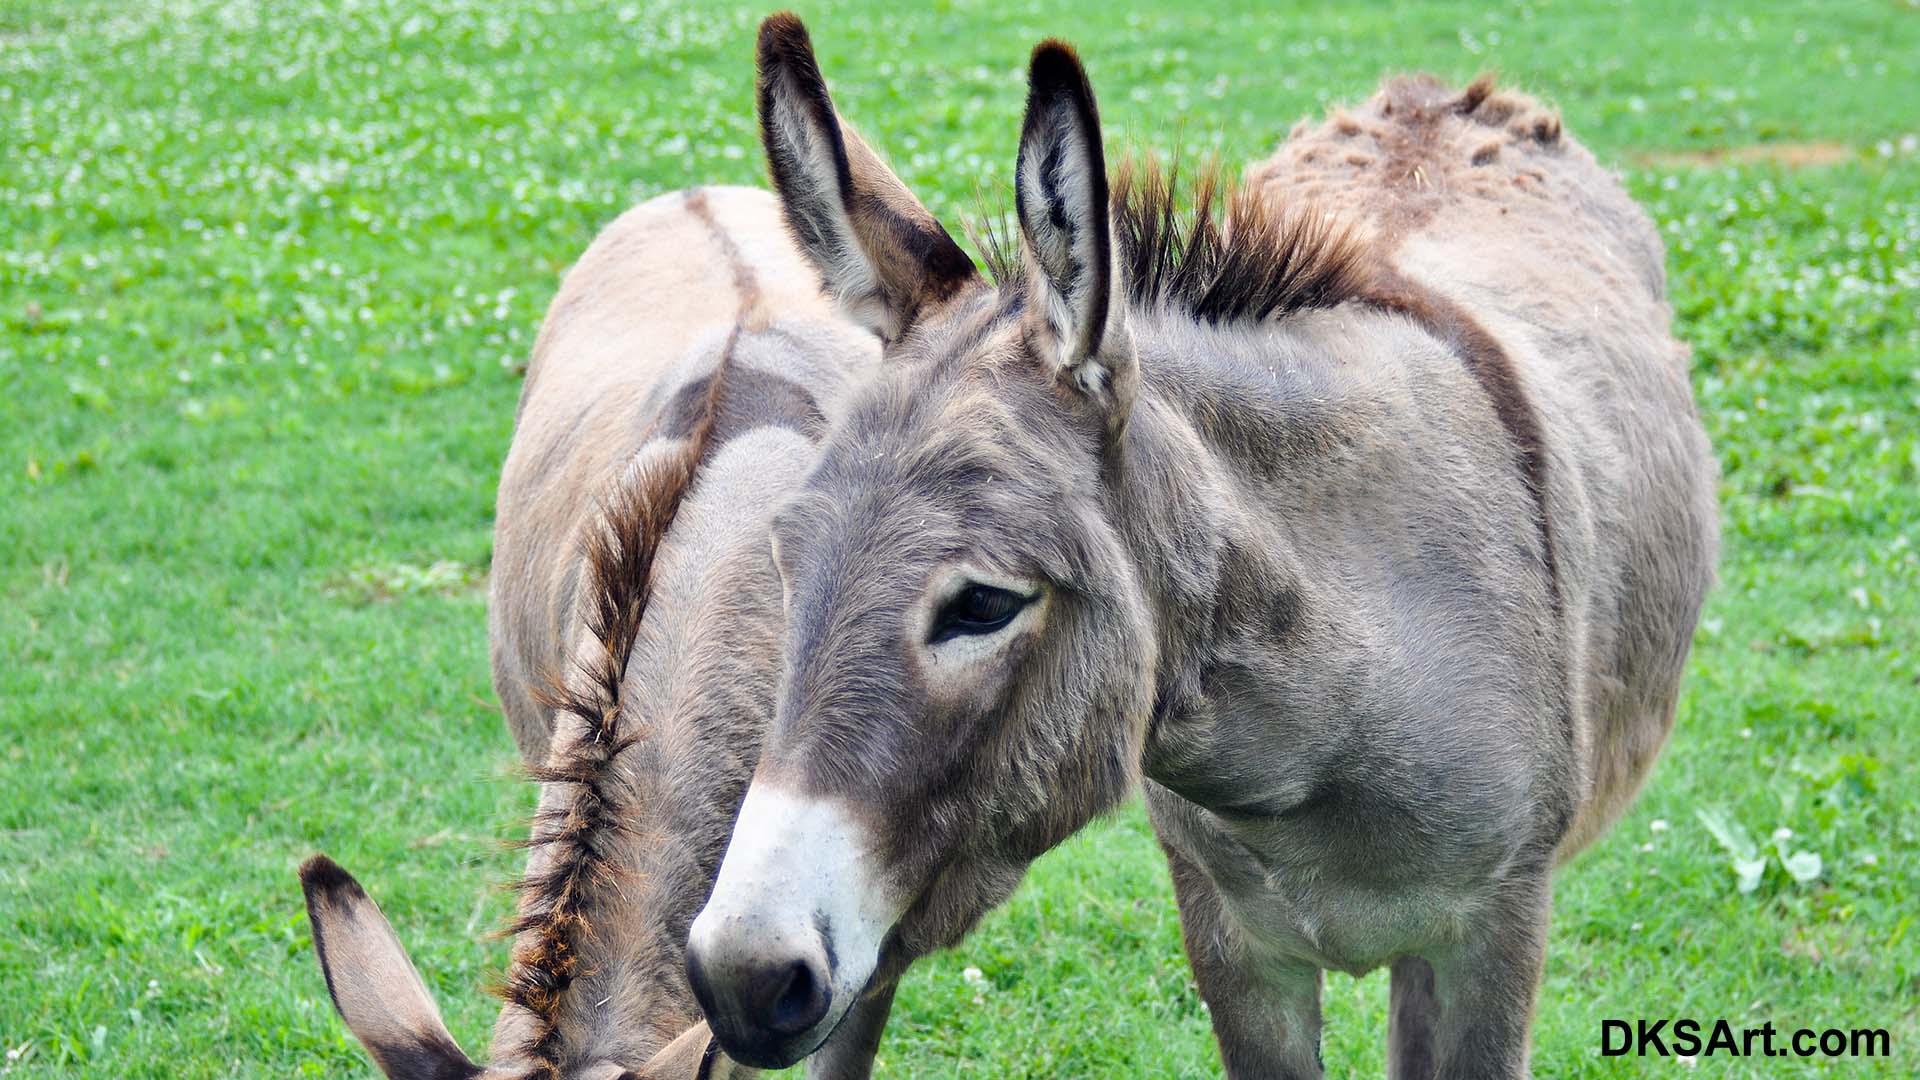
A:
(264, 273)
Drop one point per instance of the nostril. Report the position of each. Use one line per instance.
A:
(799, 1000)
(760, 990)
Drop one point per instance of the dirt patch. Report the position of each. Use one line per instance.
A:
(1794, 155)
(372, 584)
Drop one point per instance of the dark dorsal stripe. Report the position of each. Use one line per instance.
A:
(1493, 369)
(745, 282)
(753, 398)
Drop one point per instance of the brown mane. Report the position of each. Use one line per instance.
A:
(553, 916)
(1233, 255)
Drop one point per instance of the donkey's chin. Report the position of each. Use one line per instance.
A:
(758, 1050)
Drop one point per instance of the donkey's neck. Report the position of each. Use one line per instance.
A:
(1239, 439)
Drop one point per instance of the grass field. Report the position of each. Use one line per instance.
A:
(266, 271)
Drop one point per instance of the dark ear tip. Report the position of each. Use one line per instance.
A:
(786, 62)
(1055, 65)
(783, 36)
(322, 877)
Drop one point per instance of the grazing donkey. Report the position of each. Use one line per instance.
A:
(1368, 526)
(676, 392)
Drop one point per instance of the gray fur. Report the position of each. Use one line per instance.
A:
(1386, 601)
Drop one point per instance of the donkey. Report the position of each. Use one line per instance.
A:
(676, 391)
(1362, 514)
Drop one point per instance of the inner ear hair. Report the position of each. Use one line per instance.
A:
(694, 1055)
(880, 253)
(1062, 200)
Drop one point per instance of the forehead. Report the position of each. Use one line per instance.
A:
(961, 377)
(978, 328)
(954, 428)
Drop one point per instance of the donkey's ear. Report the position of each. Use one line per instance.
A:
(880, 252)
(693, 1056)
(373, 984)
(1060, 190)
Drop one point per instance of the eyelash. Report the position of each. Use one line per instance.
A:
(975, 611)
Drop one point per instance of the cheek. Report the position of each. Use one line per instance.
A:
(987, 712)
(1087, 689)
(968, 677)
(958, 739)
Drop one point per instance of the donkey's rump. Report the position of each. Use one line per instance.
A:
(640, 319)
(1418, 157)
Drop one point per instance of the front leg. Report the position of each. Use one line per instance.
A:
(1266, 1015)
(1410, 1020)
(1483, 988)
(849, 1052)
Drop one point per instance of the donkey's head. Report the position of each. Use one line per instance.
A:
(968, 657)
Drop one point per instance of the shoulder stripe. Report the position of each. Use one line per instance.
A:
(1493, 369)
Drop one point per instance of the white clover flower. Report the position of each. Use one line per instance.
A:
(1658, 825)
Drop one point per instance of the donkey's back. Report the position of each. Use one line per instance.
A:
(1478, 198)
(678, 385)
(628, 345)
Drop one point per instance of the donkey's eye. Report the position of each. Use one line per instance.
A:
(976, 609)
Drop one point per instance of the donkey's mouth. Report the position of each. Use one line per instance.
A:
(766, 1050)
(772, 1017)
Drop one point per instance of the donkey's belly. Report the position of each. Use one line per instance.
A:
(1354, 930)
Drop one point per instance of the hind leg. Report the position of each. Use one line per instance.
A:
(1266, 1015)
